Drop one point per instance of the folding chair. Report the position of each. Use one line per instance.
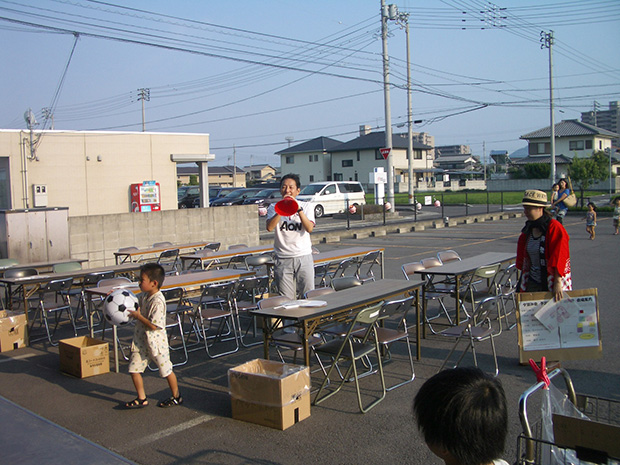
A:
(345, 282)
(339, 271)
(161, 244)
(477, 329)
(507, 288)
(351, 349)
(177, 308)
(318, 292)
(169, 260)
(238, 261)
(248, 291)
(66, 267)
(215, 313)
(366, 264)
(88, 281)
(393, 328)
(52, 300)
(409, 270)
(446, 256)
(16, 296)
(212, 246)
(290, 340)
(474, 289)
(105, 282)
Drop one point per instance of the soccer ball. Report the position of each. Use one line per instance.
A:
(116, 304)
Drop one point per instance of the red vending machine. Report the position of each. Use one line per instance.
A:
(145, 197)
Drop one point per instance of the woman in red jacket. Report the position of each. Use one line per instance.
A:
(542, 251)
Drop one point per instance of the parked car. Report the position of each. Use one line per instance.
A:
(234, 198)
(332, 197)
(264, 197)
(215, 192)
(190, 193)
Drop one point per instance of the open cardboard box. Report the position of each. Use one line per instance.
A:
(586, 436)
(84, 356)
(270, 393)
(12, 330)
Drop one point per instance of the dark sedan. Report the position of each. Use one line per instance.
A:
(234, 198)
(264, 197)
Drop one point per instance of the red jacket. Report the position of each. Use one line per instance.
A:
(557, 256)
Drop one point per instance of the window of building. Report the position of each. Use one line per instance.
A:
(337, 176)
(417, 154)
(358, 155)
(589, 144)
(378, 155)
(539, 148)
(575, 145)
(290, 160)
(311, 178)
(316, 157)
(310, 158)
(347, 163)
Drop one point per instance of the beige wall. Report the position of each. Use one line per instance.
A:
(90, 172)
(96, 237)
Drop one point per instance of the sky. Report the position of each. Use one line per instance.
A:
(258, 75)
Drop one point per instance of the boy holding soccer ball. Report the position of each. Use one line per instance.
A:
(150, 341)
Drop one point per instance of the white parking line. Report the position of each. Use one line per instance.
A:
(17, 357)
(167, 432)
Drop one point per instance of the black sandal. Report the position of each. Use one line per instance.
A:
(171, 402)
(137, 403)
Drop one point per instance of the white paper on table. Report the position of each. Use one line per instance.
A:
(301, 303)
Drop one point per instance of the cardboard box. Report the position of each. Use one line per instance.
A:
(270, 393)
(12, 331)
(84, 356)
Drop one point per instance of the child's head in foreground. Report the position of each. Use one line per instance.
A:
(154, 272)
(462, 416)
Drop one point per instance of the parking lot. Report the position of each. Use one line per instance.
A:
(202, 430)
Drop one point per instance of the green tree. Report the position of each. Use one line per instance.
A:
(537, 171)
(193, 180)
(584, 172)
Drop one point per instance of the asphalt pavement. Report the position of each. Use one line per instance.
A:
(50, 417)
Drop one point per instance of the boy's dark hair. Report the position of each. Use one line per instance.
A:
(155, 272)
(463, 411)
(294, 177)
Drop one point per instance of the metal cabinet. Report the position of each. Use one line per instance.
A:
(37, 235)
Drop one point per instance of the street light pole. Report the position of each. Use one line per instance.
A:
(403, 18)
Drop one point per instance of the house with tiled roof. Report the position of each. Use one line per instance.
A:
(257, 174)
(572, 138)
(311, 159)
(356, 159)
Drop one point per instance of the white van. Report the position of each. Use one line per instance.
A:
(331, 197)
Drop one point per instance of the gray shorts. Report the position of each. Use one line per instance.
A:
(139, 360)
(294, 276)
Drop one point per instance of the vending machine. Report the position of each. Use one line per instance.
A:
(145, 197)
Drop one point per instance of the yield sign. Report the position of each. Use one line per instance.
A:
(385, 152)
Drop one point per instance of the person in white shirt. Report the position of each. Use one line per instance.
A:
(294, 265)
(463, 417)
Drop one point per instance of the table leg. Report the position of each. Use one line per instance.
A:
(424, 308)
(114, 334)
(418, 343)
(382, 266)
(306, 336)
(457, 282)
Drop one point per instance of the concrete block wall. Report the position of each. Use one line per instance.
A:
(97, 237)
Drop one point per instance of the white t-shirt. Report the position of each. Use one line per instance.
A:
(291, 239)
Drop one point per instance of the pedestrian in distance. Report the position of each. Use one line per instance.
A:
(562, 208)
(463, 417)
(150, 342)
(554, 196)
(591, 220)
(543, 254)
(294, 265)
(616, 203)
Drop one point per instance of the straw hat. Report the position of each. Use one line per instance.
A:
(535, 198)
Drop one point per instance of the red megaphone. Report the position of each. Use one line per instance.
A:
(287, 206)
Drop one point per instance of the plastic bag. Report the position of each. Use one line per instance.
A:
(555, 401)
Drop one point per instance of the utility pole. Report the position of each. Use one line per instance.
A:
(546, 39)
(234, 166)
(389, 12)
(403, 19)
(484, 161)
(144, 94)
